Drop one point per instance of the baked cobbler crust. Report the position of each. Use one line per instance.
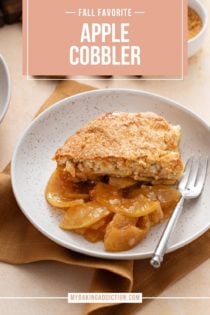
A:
(142, 146)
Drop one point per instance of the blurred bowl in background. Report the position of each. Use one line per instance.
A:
(195, 43)
(5, 88)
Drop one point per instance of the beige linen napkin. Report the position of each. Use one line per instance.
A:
(21, 243)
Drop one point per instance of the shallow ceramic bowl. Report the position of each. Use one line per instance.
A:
(195, 43)
(32, 165)
(5, 88)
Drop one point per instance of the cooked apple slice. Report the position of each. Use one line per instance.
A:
(96, 231)
(60, 193)
(110, 197)
(167, 195)
(122, 234)
(121, 182)
(83, 216)
(137, 207)
(106, 195)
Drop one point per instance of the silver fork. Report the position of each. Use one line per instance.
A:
(190, 186)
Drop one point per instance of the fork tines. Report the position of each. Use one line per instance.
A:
(194, 174)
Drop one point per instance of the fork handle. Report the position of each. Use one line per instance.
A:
(160, 250)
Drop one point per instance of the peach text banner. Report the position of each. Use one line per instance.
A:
(117, 37)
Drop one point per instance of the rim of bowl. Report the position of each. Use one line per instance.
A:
(204, 20)
(6, 104)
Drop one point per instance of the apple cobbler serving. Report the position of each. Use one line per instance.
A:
(115, 178)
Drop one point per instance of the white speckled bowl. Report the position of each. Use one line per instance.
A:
(5, 88)
(195, 43)
(32, 165)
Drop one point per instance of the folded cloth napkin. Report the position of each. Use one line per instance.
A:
(21, 243)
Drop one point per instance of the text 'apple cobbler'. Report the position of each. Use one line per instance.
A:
(115, 178)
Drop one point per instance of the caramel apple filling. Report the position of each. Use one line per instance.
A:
(118, 211)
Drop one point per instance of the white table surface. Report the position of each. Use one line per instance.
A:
(56, 279)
